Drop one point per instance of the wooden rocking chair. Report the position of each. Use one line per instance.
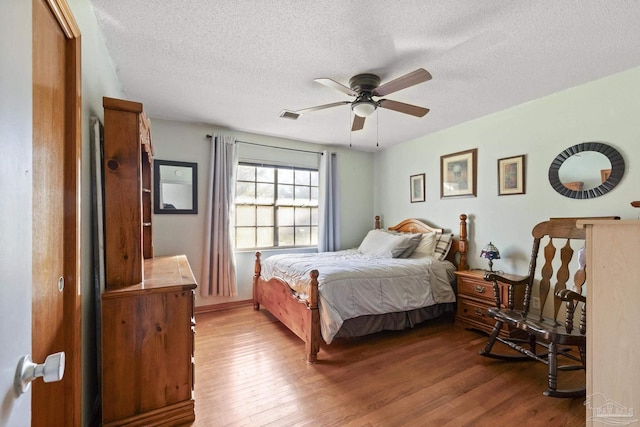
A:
(558, 338)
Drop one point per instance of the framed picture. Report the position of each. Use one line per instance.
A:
(458, 173)
(511, 175)
(417, 188)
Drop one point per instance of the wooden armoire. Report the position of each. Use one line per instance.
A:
(147, 318)
(613, 294)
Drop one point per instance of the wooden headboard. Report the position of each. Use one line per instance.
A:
(459, 247)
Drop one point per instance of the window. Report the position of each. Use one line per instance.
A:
(276, 206)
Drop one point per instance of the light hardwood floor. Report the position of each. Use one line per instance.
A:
(250, 372)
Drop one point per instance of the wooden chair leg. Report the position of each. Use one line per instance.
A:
(583, 355)
(532, 344)
(492, 339)
(487, 352)
(553, 366)
(553, 391)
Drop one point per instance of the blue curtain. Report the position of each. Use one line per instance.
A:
(218, 267)
(329, 209)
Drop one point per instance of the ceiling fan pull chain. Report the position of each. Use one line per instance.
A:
(349, 127)
(377, 128)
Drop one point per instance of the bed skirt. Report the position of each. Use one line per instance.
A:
(365, 325)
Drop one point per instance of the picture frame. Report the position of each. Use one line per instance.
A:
(458, 174)
(511, 175)
(417, 188)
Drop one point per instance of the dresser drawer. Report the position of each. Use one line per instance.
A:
(476, 289)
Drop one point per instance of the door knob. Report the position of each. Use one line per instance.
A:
(51, 370)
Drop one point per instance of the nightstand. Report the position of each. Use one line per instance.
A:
(475, 296)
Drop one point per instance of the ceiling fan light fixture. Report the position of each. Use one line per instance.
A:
(363, 108)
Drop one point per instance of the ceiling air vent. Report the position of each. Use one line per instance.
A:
(286, 114)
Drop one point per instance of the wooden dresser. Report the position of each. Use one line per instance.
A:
(147, 320)
(475, 296)
(147, 347)
(613, 297)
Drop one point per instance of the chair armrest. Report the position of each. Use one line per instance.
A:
(569, 295)
(513, 280)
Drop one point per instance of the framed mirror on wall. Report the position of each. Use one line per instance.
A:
(586, 170)
(175, 187)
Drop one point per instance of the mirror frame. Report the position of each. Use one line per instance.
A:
(156, 187)
(617, 170)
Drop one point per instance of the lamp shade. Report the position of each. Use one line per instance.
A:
(490, 252)
(363, 108)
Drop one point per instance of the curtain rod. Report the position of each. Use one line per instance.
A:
(271, 146)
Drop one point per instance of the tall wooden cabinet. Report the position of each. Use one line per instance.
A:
(147, 318)
(127, 158)
(613, 316)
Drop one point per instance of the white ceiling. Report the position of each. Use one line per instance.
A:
(238, 63)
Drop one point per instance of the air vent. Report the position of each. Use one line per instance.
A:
(286, 114)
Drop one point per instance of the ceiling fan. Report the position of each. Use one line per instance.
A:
(364, 87)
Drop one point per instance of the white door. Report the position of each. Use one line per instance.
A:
(15, 205)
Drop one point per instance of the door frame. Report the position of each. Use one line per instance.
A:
(72, 299)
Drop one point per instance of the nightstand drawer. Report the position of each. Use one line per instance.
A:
(476, 312)
(476, 289)
(475, 296)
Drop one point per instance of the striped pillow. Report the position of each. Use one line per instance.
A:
(443, 245)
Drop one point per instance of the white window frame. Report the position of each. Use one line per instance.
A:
(275, 205)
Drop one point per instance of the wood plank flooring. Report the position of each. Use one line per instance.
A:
(250, 371)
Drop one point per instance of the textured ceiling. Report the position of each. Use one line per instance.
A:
(238, 63)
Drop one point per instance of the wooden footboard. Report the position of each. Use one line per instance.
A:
(300, 316)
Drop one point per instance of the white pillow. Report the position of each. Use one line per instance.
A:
(427, 245)
(443, 245)
(385, 245)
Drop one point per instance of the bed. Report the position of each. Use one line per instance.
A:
(312, 307)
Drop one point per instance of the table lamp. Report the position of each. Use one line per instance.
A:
(490, 252)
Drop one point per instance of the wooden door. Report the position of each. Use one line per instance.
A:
(56, 286)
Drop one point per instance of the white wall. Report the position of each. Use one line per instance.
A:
(184, 234)
(15, 222)
(606, 110)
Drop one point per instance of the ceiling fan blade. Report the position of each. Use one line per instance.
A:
(413, 78)
(289, 114)
(335, 85)
(322, 107)
(358, 123)
(401, 107)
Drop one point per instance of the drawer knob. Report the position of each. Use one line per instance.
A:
(480, 289)
(479, 312)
